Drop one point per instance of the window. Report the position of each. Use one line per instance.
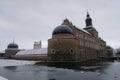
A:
(53, 51)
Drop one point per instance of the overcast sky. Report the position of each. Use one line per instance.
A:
(26, 21)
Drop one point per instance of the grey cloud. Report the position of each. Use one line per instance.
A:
(33, 20)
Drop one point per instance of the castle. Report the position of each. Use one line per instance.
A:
(69, 43)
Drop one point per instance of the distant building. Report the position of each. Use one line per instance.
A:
(38, 53)
(1, 54)
(37, 45)
(32, 54)
(69, 43)
(109, 51)
(11, 50)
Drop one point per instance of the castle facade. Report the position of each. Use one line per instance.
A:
(69, 43)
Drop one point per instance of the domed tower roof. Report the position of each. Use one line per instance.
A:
(12, 45)
(62, 29)
(88, 20)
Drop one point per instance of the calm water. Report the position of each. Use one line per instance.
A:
(102, 71)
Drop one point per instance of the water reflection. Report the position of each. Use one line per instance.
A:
(52, 79)
(91, 66)
(11, 68)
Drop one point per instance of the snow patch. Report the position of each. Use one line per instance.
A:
(2, 78)
(33, 51)
(7, 62)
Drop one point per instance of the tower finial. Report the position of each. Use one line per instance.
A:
(88, 14)
(13, 40)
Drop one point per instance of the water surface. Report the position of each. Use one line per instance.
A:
(102, 71)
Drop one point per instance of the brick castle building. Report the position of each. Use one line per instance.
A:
(68, 43)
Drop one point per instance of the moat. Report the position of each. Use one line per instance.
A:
(97, 71)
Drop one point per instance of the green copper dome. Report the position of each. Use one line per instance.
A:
(62, 29)
(12, 45)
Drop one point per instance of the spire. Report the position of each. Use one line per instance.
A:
(88, 20)
(88, 14)
(13, 41)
